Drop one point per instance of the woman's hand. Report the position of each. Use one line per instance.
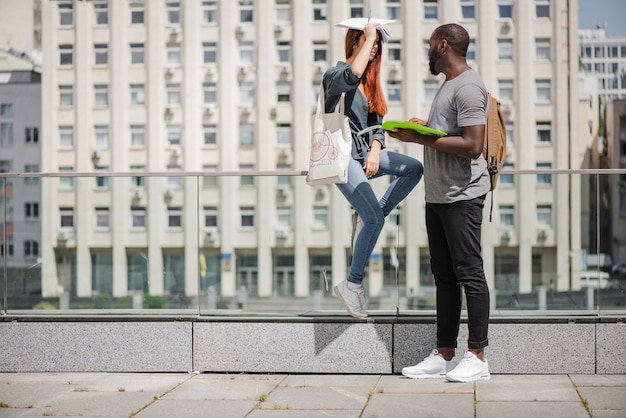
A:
(372, 161)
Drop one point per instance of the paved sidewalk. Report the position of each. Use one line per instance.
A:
(281, 395)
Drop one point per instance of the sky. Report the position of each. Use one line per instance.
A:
(613, 12)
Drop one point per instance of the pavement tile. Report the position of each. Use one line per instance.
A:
(530, 409)
(526, 388)
(194, 408)
(312, 380)
(599, 380)
(605, 398)
(401, 384)
(331, 397)
(225, 387)
(335, 413)
(420, 405)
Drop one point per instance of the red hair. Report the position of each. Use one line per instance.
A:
(371, 76)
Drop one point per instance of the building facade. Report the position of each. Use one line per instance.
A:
(159, 105)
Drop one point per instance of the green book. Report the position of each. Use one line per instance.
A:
(390, 125)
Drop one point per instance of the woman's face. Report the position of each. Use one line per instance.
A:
(374, 50)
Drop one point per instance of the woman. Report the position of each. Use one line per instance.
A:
(359, 78)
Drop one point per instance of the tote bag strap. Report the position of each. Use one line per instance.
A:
(321, 108)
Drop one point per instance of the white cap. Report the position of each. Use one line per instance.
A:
(360, 22)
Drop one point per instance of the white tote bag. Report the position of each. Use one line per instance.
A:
(331, 145)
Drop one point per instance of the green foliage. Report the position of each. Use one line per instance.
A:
(155, 302)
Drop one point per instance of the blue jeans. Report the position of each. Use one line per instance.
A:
(455, 257)
(359, 192)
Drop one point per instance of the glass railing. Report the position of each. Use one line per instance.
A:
(265, 243)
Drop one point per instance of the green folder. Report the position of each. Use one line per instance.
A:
(390, 125)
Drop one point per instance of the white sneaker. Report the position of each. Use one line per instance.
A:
(357, 226)
(432, 367)
(470, 369)
(352, 296)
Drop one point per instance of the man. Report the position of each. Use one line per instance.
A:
(456, 182)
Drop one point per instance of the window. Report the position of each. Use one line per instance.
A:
(173, 54)
(246, 134)
(468, 9)
(246, 11)
(173, 94)
(394, 51)
(66, 218)
(6, 134)
(506, 178)
(6, 110)
(505, 9)
(210, 93)
(102, 218)
(246, 93)
(31, 168)
(395, 218)
(283, 11)
(137, 94)
(209, 12)
(283, 135)
(246, 180)
(209, 52)
(431, 10)
(137, 136)
(101, 55)
(137, 54)
(507, 216)
(320, 217)
(66, 96)
(210, 134)
(31, 210)
(66, 136)
(544, 130)
(210, 217)
(505, 91)
(101, 13)
(283, 91)
(315, 92)
(430, 89)
(544, 91)
(283, 50)
(66, 183)
(246, 54)
(31, 135)
(173, 135)
(66, 55)
(136, 13)
(394, 91)
(544, 216)
(137, 181)
(31, 248)
(101, 136)
(101, 182)
(174, 182)
(542, 9)
(319, 51)
(174, 217)
(426, 48)
(319, 10)
(505, 49)
(137, 270)
(247, 216)
(138, 217)
(66, 14)
(173, 13)
(510, 133)
(471, 50)
(356, 8)
(10, 247)
(283, 218)
(101, 95)
(544, 178)
(283, 180)
(393, 9)
(542, 49)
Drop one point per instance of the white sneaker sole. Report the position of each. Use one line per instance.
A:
(424, 376)
(345, 305)
(468, 379)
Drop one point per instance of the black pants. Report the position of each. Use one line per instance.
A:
(455, 256)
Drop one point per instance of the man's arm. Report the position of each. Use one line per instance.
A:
(469, 144)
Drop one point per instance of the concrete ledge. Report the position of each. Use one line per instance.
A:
(331, 344)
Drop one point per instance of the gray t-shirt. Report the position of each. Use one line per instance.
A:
(459, 102)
